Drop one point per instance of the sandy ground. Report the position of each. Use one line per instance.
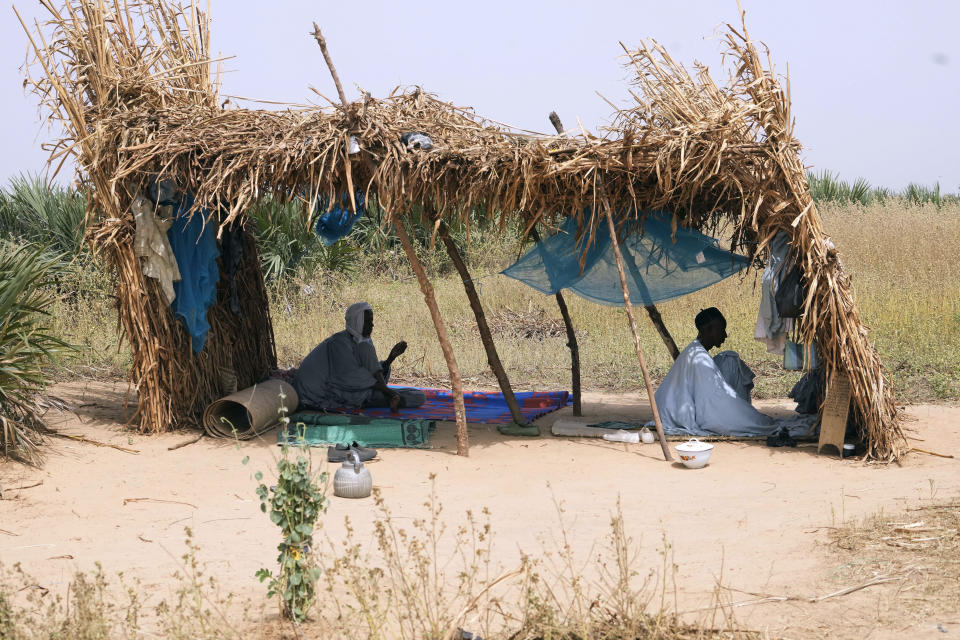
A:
(756, 514)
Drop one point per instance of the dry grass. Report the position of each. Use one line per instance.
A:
(920, 547)
(423, 579)
(907, 281)
(94, 606)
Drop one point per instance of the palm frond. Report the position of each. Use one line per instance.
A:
(26, 345)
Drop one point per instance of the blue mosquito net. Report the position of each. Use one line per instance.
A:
(658, 268)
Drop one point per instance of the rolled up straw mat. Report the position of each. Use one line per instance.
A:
(249, 412)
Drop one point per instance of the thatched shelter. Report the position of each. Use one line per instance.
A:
(132, 84)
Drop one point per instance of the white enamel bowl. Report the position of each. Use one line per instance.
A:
(694, 454)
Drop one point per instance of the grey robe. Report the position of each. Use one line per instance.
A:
(339, 372)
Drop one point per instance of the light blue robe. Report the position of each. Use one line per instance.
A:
(695, 399)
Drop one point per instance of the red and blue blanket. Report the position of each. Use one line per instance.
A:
(481, 406)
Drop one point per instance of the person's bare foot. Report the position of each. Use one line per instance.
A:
(395, 403)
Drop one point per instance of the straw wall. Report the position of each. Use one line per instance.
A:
(174, 385)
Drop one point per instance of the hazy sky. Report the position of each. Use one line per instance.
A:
(875, 85)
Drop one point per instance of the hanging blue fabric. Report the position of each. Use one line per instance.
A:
(658, 268)
(193, 239)
(336, 223)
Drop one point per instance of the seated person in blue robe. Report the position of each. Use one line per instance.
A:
(701, 395)
(344, 370)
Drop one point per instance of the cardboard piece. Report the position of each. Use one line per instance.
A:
(836, 409)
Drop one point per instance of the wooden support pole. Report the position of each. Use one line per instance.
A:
(486, 337)
(456, 383)
(661, 328)
(565, 314)
(652, 310)
(571, 343)
(574, 355)
(633, 329)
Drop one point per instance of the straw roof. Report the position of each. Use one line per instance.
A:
(132, 84)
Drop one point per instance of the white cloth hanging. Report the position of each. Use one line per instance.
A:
(151, 243)
(771, 329)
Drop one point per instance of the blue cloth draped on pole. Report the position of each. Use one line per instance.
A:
(336, 223)
(658, 268)
(193, 239)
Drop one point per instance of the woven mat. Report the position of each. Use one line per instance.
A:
(316, 428)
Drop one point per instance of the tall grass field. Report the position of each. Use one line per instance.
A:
(898, 248)
(902, 259)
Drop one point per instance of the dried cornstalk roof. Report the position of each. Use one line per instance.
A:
(131, 83)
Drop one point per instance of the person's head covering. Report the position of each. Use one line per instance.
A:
(706, 316)
(355, 320)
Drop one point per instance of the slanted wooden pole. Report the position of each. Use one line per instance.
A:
(493, 358)
(661, 328)
(333, 70)
(456, 383)
(652, 311)
(633, 329)
(463, 445)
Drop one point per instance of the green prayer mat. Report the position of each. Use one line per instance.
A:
(323, 429)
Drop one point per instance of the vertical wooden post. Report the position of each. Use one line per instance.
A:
(571, 341)
(633, 329)
(493, 358)
(456, 383)
(567, 322)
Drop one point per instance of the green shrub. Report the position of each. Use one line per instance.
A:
(40, 212)
(828, 187)
(26, 346)
(289, 246)
(295, 504)
(921, 194)
(860, 192)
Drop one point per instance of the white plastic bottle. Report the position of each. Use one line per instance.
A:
(622, 436)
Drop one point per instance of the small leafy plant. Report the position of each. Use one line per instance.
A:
(294, 504)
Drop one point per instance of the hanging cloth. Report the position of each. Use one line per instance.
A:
(658, 265)
(337, 223)
(194, 243)
(771, 329)
(151, 243)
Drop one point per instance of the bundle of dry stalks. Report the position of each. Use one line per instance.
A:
(131, 84)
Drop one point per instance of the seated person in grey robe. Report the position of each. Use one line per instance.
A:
(704, 396)
(344, 371)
